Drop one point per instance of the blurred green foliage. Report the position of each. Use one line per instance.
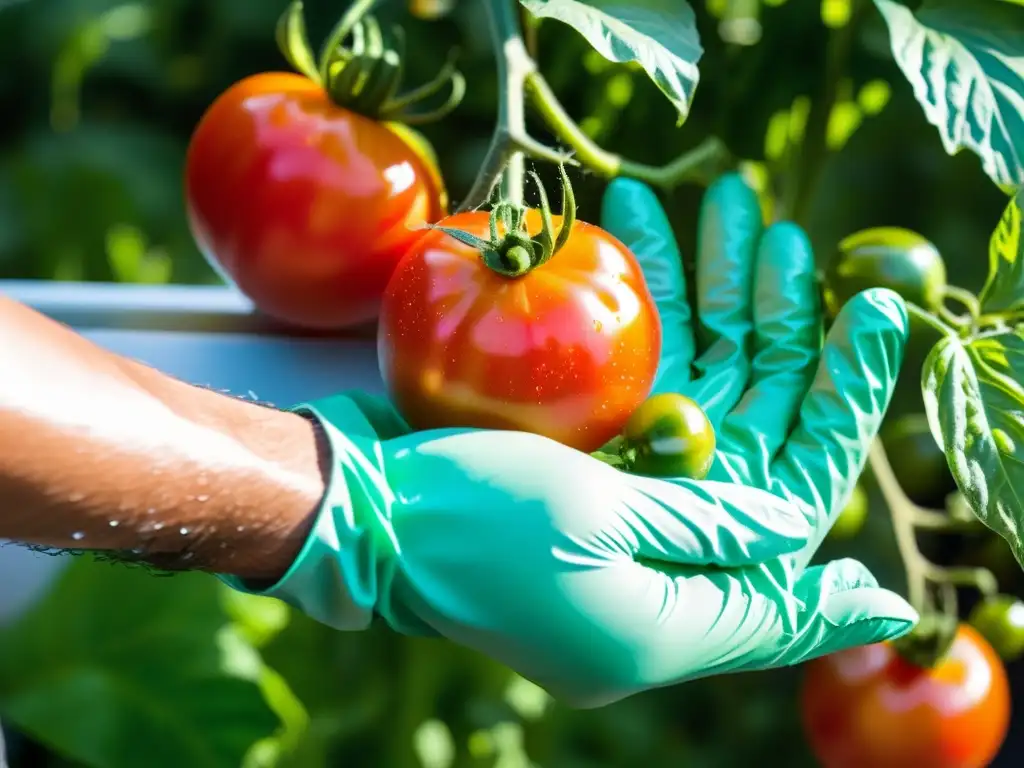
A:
(99, 98)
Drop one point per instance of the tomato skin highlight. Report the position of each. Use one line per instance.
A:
(868, 707)
(305, 206)
(568, 350)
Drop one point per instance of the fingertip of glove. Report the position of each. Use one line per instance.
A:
(732, 187)
(881, 304)
(628, 193)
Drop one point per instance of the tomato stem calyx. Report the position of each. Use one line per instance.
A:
(515, 252)
(366, 76)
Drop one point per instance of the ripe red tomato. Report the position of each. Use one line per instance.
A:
(569, 350)
(305, 206)
(867, 707)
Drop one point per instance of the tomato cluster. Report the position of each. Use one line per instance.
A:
(303, 193)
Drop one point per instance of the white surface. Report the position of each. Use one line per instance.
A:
(246, 361)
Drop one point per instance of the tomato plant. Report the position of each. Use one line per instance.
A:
(552, 334)
(669, 435)
(869, 706)
(302, 188)
(306, 190)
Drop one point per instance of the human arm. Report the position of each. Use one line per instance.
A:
(101, 452)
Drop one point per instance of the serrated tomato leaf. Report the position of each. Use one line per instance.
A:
(1004, 289)
(974, 399)
(965, 61)
(116, 668)
(659, 35)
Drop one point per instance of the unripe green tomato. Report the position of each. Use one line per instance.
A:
(669, 435)
(885, 257)
(852, 518)
(1000, 620)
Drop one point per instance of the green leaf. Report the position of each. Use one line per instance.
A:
(659, 35)
(117, 668)
(965, 61)
(974, 399)
(1004, 289)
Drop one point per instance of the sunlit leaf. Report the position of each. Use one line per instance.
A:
(116, 668)
(965, 61)
(974, 399)
(1004, 289)
(660, 35)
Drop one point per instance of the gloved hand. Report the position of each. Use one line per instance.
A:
(597, 584)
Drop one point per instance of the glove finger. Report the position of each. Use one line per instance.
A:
(702, 523)
(631, 212)
(844, 607)
(729, 231)
(787, 342)
(843, 410)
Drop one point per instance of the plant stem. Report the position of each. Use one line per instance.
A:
(902, 512)
(511, 144)
(700, 164)
(510, 138)
(907, 518)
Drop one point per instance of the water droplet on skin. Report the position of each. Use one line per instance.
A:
(78, 535)
(240, 528)
(183, 531)
(203, 497)
(114, 523)
(158, 526)
(74, 498)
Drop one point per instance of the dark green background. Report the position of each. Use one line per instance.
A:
(97, 111)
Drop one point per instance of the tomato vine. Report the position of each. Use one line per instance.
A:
(520, 82)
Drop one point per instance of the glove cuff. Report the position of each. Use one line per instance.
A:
(335, 578)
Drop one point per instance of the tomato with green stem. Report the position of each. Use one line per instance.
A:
(668, 436)
(868, 706)
(305, 189)
(485, 325)
(1000, 620)
(885, 257)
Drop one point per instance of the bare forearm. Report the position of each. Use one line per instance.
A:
(99, 452)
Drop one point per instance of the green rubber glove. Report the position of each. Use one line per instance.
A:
(597, 584)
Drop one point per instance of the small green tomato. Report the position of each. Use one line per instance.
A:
(669, 435)
(851, 519)
(1000, 620)
(885, 257)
